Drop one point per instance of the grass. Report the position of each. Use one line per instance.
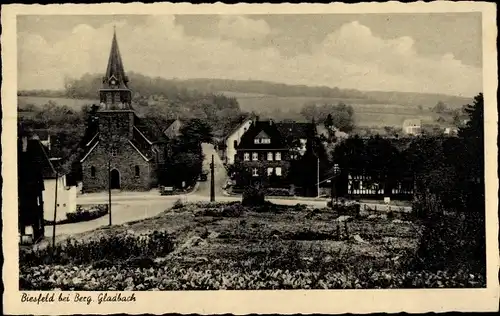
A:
(366, 114)
(74, 104)
(228, 246)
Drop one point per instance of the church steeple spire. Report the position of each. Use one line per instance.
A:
(115, 68)
(114, 91)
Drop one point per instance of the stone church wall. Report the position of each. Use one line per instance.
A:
(125, 161)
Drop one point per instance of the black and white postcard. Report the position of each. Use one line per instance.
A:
(182, 158)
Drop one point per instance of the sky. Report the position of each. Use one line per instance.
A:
(423, 52)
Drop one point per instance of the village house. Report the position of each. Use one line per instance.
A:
(44, 136)
(267, 148)
(30, 188)
(38, 182)
(233, 139)
(123, 151)
(412, 127)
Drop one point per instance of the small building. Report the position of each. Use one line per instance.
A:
(30, 188)
(450, 131)
(44, 136)
(173, 129)
(66, 194)
(412, 127)
(233, 138)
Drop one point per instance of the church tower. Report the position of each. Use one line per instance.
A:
(114, 93)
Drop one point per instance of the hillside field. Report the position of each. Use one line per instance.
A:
(279, 108)
(366, 114)
(74, 104)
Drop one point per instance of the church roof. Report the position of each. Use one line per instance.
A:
(115, 68)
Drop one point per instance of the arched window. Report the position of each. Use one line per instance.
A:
(235, 143)
(137, 171)
(92, 171)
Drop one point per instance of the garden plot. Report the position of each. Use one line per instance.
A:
(228, 246)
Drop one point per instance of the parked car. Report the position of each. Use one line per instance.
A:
(204, 176)
(164, 190)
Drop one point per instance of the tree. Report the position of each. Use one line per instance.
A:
(196, 131)
(440, 107)
(329, 121)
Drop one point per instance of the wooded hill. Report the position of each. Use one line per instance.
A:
(144, 86)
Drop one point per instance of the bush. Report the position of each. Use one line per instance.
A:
(114, 249)
(277, 192)
(82, 214)
(178, 204)
(285, 276)
(254, 196)
(299, 207)
(229, 210)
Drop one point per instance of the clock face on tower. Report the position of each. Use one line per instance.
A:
(113, 82)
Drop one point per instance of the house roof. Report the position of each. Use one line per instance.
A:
(268, 127)
(42, 134)
(36, 151)
(235, 125)
(296, 130)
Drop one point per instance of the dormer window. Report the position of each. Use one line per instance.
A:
(262, 138)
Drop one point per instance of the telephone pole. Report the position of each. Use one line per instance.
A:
(109, 170)
(212, 181)
(317, 178)
(55, 216)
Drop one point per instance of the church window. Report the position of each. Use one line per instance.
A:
(270, 156)
(255, 156)
(114, 152)
(117, 97)
(269, 171)
(92, 171)
(137, 171)
(278, 156)
(255, 172)
(246, 156)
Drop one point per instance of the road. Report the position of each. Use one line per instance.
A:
(133, 206)
(220, 175)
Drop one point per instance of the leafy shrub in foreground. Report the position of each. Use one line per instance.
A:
(163, 278)
(110, 248)
(254, 196)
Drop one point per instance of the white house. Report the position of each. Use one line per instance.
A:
(66, 195)
(412, 127)
(66, 198)
(233, 139)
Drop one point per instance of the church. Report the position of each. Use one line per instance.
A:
(121, 149)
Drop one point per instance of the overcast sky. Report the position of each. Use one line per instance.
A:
(405, 52)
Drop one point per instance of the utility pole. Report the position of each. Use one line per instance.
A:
(109, 171)
(55, 216)
(212, 181)
(317, 178)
